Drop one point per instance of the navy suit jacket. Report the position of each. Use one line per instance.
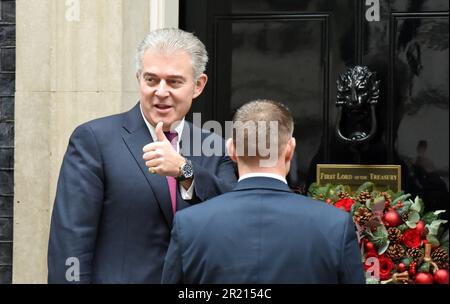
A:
(112, 214)
(261, 232)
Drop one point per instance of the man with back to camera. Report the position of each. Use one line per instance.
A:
(261, 232)
(123, 177)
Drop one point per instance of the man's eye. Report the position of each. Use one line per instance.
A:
(150, 80)
(175, 82)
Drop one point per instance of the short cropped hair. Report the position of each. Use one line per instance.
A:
(263, 114)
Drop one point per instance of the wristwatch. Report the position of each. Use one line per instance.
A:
(186, 171)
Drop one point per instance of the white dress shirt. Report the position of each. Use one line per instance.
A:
(270, 175)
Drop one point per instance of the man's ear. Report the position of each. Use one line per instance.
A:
(200, 85)
(231, 150)
(290, 149)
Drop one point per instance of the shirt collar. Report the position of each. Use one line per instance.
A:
(270, 175)
(179, 128)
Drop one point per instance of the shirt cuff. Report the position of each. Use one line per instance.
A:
(187, 194)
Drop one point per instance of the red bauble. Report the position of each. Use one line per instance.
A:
(441, 276)
(392, 218)
(420, 226)
(401, 267)
(370, 246)
(424, 278)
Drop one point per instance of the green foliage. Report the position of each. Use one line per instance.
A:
(425, 267)
(319, 192)
(400, 198)
(405, 208)
(432, 239)
(367, 186)
(413, 218)
(396, 195)
(406, 261)
(376, 204)
(429, 217)
(355, 207)
(379, 238)
(433, 228)
(417, 205)
(403, 227)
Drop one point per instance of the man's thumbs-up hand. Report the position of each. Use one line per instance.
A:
(160, 157)
(160, 136)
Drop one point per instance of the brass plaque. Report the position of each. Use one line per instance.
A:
(385, 177)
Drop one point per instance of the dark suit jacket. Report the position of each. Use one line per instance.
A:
(261, 232)
(110, 212)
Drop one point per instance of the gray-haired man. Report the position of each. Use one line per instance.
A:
(123, 176)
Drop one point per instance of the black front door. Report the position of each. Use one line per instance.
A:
(294, 51)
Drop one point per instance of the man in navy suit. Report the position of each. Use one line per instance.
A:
(261, 232)
(124, 176)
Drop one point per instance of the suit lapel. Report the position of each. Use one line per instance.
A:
(136, 138)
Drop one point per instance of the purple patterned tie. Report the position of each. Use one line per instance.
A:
(172, 137)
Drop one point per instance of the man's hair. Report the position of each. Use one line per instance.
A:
(172, 40)
(261, 121)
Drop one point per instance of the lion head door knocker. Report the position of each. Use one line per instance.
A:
(357, 96)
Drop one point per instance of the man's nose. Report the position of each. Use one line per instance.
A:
(162, 89)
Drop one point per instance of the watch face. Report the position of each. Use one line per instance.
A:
(187, 170)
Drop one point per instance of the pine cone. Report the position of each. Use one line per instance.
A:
(362, 215)
(395, 252)
(440, 257)
(394, 234)
(415, 254)
(363, 196)
(343, 194)
(405, 216)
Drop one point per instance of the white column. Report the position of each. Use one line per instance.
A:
(163, 13)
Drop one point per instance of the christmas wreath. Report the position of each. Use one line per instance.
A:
(399, 242)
